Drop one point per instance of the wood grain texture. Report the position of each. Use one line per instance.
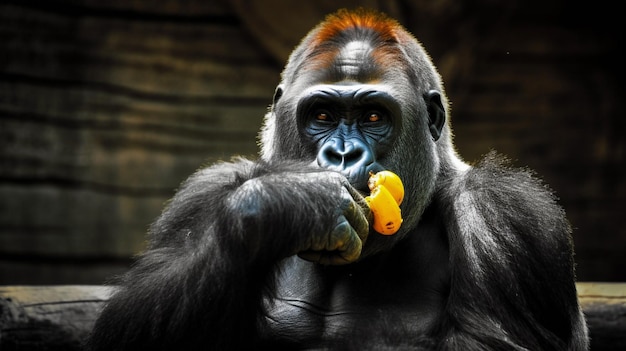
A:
(604, 305)
(60, 317)
(49, 317)
(105, 107)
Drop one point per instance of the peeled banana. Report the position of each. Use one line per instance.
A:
(387, 193)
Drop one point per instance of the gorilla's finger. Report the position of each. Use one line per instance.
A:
(356, 211)
(342, 246)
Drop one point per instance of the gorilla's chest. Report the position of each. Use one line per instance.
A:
(311, 310)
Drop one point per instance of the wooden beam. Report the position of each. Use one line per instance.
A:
(604, 305)
(60, 317)
(49, 317)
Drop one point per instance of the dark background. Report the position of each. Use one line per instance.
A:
(106, 106)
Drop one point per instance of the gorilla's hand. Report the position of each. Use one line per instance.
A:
(315, 214)
(344, 242)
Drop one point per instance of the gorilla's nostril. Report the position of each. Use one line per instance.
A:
(353, 157)
(332, 156)
(344, 155)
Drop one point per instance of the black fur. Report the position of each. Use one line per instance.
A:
(512, 263)
(277, 253)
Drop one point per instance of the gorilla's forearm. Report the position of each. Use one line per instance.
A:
(159, 306)
(225, 229)
(192, 280)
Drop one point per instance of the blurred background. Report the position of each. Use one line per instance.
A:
(106, 106)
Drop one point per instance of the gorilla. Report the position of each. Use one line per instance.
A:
(280, 253)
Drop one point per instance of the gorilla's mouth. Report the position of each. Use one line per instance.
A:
(358, 176)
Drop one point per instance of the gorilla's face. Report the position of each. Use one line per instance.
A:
(349, 127)
(358, 101)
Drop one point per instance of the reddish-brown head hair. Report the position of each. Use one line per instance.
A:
(361, 19)
(324, 43)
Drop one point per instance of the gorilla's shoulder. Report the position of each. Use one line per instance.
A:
(495, 178)
(505, 197)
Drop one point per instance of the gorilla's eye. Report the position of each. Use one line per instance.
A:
(322, 117)
(373, 117)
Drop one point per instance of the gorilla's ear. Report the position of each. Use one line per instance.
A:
(436, 113)
(278, 93)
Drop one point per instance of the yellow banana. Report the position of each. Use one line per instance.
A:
(387, 193)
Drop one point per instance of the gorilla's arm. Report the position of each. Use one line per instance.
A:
(511, 261)
(214, 250)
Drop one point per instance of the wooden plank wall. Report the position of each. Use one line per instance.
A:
(544, 84)
(105, 107)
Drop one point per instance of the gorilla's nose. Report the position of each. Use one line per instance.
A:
(350, 157)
